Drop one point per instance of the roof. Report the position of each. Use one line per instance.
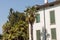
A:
(47, 5)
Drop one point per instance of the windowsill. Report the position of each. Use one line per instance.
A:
(37, 22)
(53, 24)
(53, 39)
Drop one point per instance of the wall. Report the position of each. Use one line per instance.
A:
(40, 25)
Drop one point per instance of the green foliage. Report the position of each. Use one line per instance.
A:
(31, 14)
(16, 27)
(1, 37)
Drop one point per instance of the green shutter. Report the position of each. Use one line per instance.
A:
(52, 17)
(53, 33)
(38, 35)
(37, 18)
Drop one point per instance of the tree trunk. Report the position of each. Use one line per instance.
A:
(31, 31)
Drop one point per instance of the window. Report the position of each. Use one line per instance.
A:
(38, 35)
(53, 33)
(37, 18)
(52, 17)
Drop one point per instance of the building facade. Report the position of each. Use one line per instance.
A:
(48, 17)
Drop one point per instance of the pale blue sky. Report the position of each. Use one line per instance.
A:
(17, 5)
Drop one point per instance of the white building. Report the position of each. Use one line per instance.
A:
(47, 17)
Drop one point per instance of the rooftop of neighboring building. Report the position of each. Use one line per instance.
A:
(47, 5)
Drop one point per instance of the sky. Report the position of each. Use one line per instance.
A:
(17, 5)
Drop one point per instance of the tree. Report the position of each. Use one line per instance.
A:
(30, 12)
(16, 27)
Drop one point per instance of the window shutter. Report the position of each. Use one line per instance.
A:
(53, 33)
(52, 17)
(38, 35)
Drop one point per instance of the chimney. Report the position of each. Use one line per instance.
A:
(45, 1)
